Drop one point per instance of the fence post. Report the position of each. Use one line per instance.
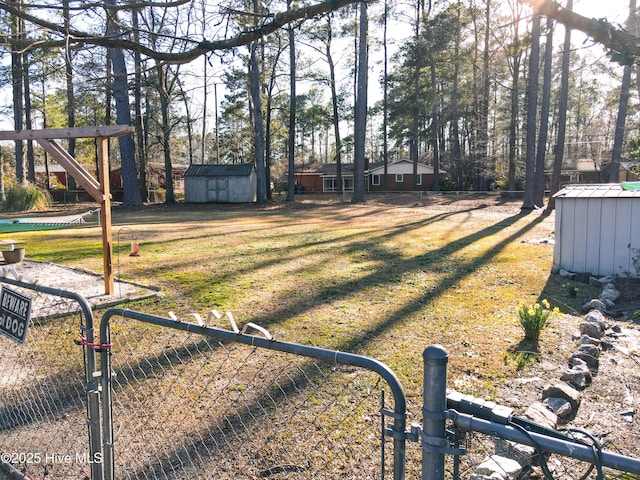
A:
(434, 440)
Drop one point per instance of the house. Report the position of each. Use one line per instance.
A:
(58, 181)
(627, 173)
(596, 230)
(235, 183)
(589, 171)
(156, 176)
(400, 177)
(322, 178)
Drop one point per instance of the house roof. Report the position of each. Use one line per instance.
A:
(233, 170)
(401, 166)
(607, 190)
(324, 169)
(331, 169)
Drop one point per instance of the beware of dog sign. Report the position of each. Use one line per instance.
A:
(15, 313)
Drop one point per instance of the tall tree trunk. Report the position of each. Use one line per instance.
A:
(414, 143)
(258, 124)
(141, 146)
(16, 77)
(435, 116)
(334, 105)
(385, 101)
(28, 123)
(483, 135)
(120, 91)
(544, 117)
(361, 110)
(562, 115)
(166, 135)
(618, 140)
(291, 150)
(72, 194)
(456, 153)
(532, 110)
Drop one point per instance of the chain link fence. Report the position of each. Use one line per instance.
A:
(203, 403)
(44, 407)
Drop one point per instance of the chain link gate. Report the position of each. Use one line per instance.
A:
(183, 400)
(49, 405)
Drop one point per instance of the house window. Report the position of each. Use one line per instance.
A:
(329, 184)
(399, 178)
(347, 184)
(375, 179)
(419, 179)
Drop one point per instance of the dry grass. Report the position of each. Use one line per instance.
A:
(380, 279)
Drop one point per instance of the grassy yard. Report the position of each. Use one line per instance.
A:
(376, 279)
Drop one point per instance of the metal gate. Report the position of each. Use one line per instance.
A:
(185, 400)
(49, 406)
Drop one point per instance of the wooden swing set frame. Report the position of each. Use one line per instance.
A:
(99, 190)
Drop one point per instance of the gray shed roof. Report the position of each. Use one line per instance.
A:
(233, 170)
(607, 190)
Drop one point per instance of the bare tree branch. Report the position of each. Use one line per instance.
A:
(603, 32)
(200, 47)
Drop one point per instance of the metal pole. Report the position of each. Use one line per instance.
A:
(435, 360)
(91, 388)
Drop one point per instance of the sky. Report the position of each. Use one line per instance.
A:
(616, 11)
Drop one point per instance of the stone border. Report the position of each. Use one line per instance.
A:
(560, 399)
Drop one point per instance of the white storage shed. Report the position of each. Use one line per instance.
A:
(597, 230)
(235, 183)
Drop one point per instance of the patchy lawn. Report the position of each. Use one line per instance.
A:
(380, 279)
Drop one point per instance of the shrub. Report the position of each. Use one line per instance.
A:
(533, 318)
(26, 196)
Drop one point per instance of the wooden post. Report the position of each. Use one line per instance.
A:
(105, 213)
(100, 191)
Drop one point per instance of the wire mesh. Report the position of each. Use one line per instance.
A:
(189, 406)
(43, 407)
(488, 455)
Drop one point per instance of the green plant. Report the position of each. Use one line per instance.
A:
(571, 289)
(533, 318)
(636, 314)
(20, 197)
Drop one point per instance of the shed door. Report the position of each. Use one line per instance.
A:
(217, 189)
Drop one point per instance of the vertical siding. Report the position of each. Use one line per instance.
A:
(598, 235)
(634, 250)
(580, 229)
(621, 237)
(606, 254)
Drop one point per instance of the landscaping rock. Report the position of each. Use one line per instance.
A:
(560, 406)
(523, 454)
(587, 340)
(589, 349)
(497, 467)
(539, 413)
(591, 329)
(566, 274)
(596, 316)
(592, 362)
(609, 294)
(563, 390)
(600, 282)
(579, 375)
(594, 304)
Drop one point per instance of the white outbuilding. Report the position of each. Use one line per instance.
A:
(597, 230)
(234, 183)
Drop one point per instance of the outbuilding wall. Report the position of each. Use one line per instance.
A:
(597, 230)
(220, 184)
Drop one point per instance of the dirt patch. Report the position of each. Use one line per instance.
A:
(87, 284)
(609, 406)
